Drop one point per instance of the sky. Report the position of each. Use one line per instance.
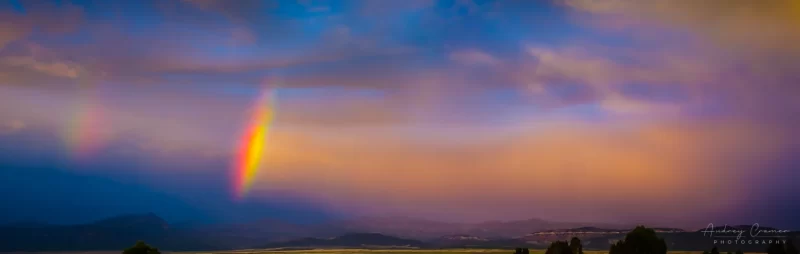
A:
(675, 113)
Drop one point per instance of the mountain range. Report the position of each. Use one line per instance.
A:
(369, 232)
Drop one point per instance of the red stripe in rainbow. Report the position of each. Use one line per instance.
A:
(251, 147)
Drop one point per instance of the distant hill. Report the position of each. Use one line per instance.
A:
(119, 232)
(516, 228)
(109, 234)
(144, 223)
(586, 233)
(430, 230)
(396, 226)
(26, 224)
(468, 241)
(746, 228)
(351, 240)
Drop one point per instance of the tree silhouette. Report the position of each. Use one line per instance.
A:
(790, 248)
(640, 240)
(141, 248)
(576, 246)
(776, 248)
(616, 248)
(525, 251)
(559, 247)
(714, 250)
(739, 252)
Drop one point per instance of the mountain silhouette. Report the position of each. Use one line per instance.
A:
(108, 234)
(469, 241)
(349, 240)
(117, 233)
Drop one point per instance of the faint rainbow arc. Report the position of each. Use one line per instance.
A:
(250, 152)
(84, 134)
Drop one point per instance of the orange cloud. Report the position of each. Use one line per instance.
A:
(543, 162)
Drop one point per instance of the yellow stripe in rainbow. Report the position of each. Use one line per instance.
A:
(251, 145)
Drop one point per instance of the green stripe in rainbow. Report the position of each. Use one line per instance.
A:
(250, 152)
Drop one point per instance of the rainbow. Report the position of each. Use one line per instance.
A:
(85, 128)
(82, 136)
(250, 152)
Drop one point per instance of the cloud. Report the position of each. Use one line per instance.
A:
(241, 11)
(741, 25)
(473, 57)
(627, 106)
(241, 36)
(608, 70)
(577, 74)
(13, 27)
(58, 69)
(382, 9)
(12, 126)
(171, 52)
(42, 16)
(30, 63)
(500, 169)
(23, 61)
(231, 48)
(470, 166)
(429, 102)
(345, 54)
(688, 79)
(743, 50)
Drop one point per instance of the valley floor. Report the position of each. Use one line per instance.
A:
(343, 251)
(368, 251)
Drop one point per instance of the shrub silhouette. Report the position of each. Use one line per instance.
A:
(141, 248)
(790, 248)
(522, 251)
(559, 247)
(714, 250)
(779, 248)
(640, 240)
(576, 246)
(739, 252)
(776, 248)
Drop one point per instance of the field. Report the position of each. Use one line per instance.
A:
(367, 251)
(342, 251)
